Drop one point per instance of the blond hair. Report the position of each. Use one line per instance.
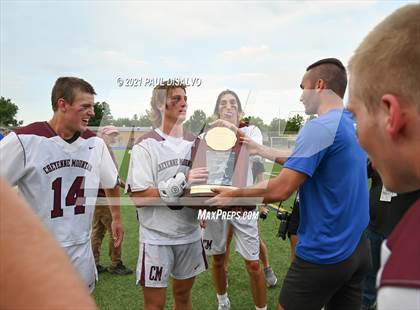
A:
(388, 59)
(160, 93)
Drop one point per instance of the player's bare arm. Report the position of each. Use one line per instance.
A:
(270, 153)
(277, 189)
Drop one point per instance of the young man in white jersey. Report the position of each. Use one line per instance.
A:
(170, 238)
(58, 166)
(228, 111)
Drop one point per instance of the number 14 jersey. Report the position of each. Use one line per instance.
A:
(59, 180)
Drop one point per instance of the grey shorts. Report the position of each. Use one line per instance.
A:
(245, 232)
(157, 262)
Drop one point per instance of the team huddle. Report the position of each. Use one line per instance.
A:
(60, 165)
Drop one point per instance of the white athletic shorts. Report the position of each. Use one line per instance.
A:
(81, 256)
(245, 233)
(157, 262)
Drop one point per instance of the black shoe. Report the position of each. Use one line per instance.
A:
(101, 268)
(120, 270)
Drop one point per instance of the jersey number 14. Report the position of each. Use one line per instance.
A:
(76, 191)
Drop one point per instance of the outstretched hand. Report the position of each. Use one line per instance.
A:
(222, 123)
(252, 146)
(223, 198)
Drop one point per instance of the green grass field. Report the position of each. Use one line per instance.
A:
(121, 292)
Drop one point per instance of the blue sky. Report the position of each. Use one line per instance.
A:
(256, 48)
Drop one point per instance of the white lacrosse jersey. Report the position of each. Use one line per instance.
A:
(159, 157)
(59, 180)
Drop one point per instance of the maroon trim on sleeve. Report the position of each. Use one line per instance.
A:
(189, 136)
(152, 134)
(42, 129)
(402, 269)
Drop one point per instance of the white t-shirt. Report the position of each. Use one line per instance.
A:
(159, 157)
(59, 180)
(255, 134)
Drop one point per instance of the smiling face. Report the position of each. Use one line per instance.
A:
(76, 115)
(228, 109)
(175, 108)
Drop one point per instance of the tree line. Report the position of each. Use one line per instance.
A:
(195, 123)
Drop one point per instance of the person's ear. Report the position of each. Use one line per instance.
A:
(61, 105)
(395, 117)
(320, 85)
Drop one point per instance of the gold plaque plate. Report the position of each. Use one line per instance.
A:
(220, 138)
(205, 190)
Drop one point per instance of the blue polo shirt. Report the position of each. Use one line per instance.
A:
(334, 204)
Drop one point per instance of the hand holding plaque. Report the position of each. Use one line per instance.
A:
(225, 159)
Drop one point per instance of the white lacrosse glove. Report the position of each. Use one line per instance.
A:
(173, 188)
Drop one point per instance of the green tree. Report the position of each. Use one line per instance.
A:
(8, 111)
(122, 122)
(196, 122)
(294, 123)
(102, 115)
(135, 121)
(144, 121)
(258, 122)
(277, 126)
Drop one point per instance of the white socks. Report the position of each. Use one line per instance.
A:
(223, 299)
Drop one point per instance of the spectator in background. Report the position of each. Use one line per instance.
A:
(386, 210)
(293, 226)
(102, 217)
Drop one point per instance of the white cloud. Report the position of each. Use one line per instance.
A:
(259, 46)
(245, 52)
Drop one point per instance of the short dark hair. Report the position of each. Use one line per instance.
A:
(219, 98)
(65, 87)
(333, 72)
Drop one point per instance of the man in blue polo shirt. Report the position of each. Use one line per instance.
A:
(329, 169)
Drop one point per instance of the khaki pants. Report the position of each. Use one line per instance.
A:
(101, 223)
